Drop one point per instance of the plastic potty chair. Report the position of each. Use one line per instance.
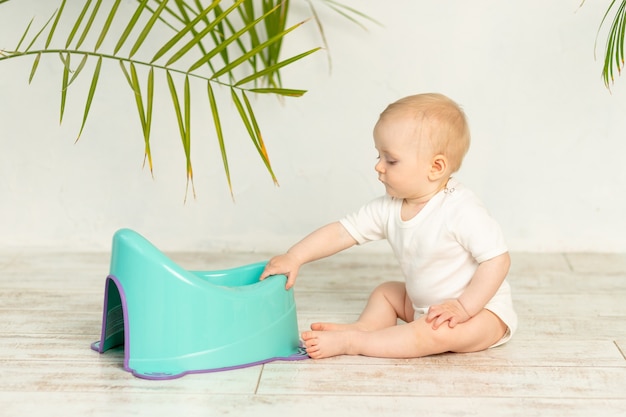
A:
(172, 322)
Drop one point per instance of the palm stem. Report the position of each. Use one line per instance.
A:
(5, 55)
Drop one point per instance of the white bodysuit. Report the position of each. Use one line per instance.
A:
(440, 248)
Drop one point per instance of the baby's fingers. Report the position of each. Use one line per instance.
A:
(433, 313)
(440, 320)
(291, 280)
(272, 268)
(437, 316)
(266, 272)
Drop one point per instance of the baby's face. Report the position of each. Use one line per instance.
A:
(404, 160)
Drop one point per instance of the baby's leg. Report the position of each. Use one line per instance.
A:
(411, 340)
(387, 303)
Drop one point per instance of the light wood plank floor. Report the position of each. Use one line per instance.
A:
(567, 359)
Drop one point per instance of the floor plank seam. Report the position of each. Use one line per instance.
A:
(258, 381)
(369, 366)
(620, 349)
(568, 262)
(471, 396)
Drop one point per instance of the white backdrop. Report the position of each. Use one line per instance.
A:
(547, 153)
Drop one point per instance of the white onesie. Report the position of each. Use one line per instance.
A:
(440, 248)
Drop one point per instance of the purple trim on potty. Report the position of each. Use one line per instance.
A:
(159, 377)
(106, 325)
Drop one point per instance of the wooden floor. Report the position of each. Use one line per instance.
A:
(567, 359)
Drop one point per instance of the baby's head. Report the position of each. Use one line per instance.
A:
(434, 120)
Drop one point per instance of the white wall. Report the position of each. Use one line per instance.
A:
(547, 153)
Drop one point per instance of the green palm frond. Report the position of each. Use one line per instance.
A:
(614, 51)
(235, 46)
(231, 44)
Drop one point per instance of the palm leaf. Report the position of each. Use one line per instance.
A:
(611, 55)
(224, 44)
(145, 115)
(260, 145)
(144, 33)
(130, 26)
(249, 122)
(127, 76)
(254, 51)
(186, 11)
(187, 139)
(176, 103)
(64, 83)
(34, 67)
(183, 124)
(32, 42)
(150, 106)
(279, 91)
(17, 48)
(78, 69)
(107, 24)
(197, 38)
(220, 136)
(179, 35)
(77, 24)
(219, 34)
(161, 17)
(274, 24)
(274, 68)
(614, 52)
(247, 14)
(56, 22)
(90, 95)
(136, 86)
(90, 21)
(619, 56)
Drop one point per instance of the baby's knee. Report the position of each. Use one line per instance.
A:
(433, 341)
(391, 287)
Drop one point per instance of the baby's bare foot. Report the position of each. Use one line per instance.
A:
(324, 344)
(329, 327)
(336, 327)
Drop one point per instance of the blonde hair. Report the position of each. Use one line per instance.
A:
(438, 119)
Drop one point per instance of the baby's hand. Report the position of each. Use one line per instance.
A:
(450, 311)
(285, 264)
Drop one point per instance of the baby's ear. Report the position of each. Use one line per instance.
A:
(439, 167)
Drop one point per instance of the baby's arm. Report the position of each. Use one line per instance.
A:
(323, 242)
(484, 284)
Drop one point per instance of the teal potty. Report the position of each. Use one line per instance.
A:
(172, 322)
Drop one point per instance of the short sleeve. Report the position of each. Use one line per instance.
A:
(369, 223)
(477, 231)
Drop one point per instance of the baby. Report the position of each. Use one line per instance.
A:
(454, 297)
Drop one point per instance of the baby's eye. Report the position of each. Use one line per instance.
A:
(388, 160)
